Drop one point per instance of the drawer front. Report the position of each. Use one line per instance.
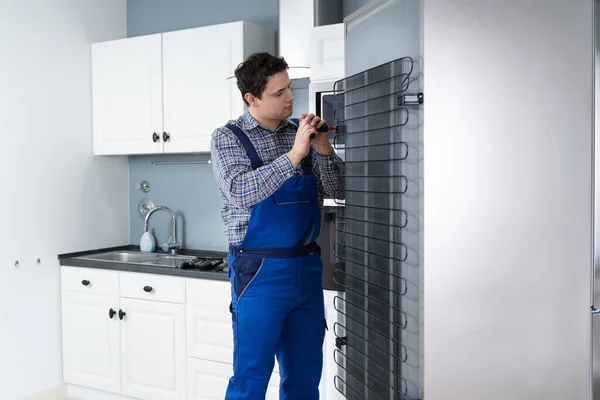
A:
(169, 289)
(90, 280)
(208, 292)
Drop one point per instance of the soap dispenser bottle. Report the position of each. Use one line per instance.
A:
(147, 243)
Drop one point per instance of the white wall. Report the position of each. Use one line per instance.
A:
(55, 197)
(507, 173)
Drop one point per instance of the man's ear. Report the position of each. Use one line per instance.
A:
(251, 99)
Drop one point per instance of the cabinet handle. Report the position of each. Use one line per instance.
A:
(111, 313)
(147, 289)
(121, 314)
(85, 282)
(166, 137)
(155, 137)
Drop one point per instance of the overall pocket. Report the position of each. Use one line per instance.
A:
(245, 268)
(294, 191)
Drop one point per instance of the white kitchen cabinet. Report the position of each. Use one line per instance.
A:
(91, 341)
(153, 350)
(327, 52)
(157, 337)
(208, 380)
(177, 85)
(209, 333)
(127, 96)
(124, 333)
(198, 96)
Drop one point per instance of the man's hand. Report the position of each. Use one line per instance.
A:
(302, 142)
(321, 140)
(309, 123)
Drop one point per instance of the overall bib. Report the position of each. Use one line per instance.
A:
(276, 290)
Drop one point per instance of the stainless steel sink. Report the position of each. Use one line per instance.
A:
(166, 260)
(137, 257)
(121, 256)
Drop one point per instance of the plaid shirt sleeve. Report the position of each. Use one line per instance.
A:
(243, 186)
(330, 173)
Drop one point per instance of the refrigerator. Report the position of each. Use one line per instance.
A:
(531, 310)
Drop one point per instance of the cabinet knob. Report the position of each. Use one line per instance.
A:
(85, 282)
(121, 314)
(155, 137)
(111, 313)
(147, 289)
(166, 137)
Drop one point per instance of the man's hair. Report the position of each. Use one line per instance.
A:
(252, 74)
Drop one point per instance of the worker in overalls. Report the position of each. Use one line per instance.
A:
(272, 178)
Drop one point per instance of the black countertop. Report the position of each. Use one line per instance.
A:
(71, 260)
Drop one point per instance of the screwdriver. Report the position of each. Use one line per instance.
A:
(324, 128)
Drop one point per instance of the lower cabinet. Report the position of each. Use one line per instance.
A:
(156, 337)
(153, 350)
(91, 341)
(208, 380)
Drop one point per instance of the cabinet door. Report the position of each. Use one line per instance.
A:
(127, 95)
(208, 380)
(327, 52)
(153, 349)
(210, 335)
(91, 341)
(198, 96)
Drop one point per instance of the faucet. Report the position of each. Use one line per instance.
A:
(172, 244)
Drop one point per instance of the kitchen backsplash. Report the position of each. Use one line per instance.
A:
(189, 190)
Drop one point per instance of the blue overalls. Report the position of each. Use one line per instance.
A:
(276, 290)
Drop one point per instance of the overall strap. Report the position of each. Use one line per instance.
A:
(250, 150)
(306, 162)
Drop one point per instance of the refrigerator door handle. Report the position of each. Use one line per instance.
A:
(595, 310)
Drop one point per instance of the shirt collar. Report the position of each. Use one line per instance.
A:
(249, 123)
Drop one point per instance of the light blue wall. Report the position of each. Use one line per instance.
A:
(191, 189)
(154, 16)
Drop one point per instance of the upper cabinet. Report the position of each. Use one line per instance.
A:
(167, 93)
(127, 96)
(327, 52)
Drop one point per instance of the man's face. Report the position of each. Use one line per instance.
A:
(277, 100)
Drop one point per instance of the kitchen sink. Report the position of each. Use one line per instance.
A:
(121, 256)
(166, 260)
(137, 257)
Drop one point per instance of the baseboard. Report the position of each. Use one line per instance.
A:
(57, 393)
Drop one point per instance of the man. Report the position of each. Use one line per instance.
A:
(272, 178)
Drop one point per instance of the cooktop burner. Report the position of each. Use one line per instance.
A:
(203, 264)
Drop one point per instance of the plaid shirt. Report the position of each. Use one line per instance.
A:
(241, 187)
